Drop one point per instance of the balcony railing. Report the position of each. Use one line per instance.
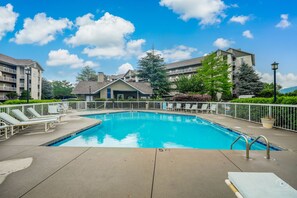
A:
(182, 71)
(8, 70)
(7, 79)
(2, 88)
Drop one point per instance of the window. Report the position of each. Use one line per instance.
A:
(108, 93)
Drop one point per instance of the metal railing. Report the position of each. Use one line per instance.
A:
(285, 115)
(266, 142)
(247, 146)
(7, 79)
(6, 69)
(2, 88)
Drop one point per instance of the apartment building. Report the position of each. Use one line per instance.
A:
(235, 58)
(13, 77)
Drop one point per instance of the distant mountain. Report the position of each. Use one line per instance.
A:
(288, 90)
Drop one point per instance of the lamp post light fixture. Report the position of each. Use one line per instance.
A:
(274, 67)
(28, 73)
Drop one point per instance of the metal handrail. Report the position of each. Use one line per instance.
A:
(267, 145)
(247, 147)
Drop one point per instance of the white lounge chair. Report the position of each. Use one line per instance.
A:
(188, 107)
(213, 108)
(178, 107)
(35, 114)
(16, 123)
(4, 129)
(203, 108)
(170, 106)
(194, 107)
(250, 185)
(55, 109)
(22, 117)
(164, 106)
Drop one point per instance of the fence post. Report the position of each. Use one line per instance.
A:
(270, 111)
(225, 109)
(217, 109)
(235, 108)
(249, 112)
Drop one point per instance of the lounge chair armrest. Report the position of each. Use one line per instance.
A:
(3, 123)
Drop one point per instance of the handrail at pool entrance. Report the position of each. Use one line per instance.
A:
(247, 146)
(267, 145)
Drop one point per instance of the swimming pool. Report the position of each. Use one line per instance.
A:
(155, 130)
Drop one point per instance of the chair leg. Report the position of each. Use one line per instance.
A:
(5, 133)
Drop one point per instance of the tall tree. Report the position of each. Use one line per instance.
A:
(151, 69)
(87, 74)
(62, 89)
(47, 89)
(186, 84)
(248, 81)
(215, 75)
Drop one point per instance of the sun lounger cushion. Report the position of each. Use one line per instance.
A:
(252, 185)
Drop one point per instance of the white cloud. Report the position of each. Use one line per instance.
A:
(106, 37)
(285, 80)
(124, 68)
(40, 30)
(177, 53)
(62, 57)
(248, 34)
(207, 11)
(240, 19)
(284, 23)
(7, 19)
(222, 43)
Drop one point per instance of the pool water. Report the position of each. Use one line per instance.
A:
(155, 130)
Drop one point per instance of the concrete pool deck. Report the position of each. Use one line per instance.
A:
(125, 172)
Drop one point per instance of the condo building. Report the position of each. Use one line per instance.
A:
(13, 77)
(235, 58)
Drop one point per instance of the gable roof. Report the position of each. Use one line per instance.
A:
(84, 86)
(193, 61)
(18, 62)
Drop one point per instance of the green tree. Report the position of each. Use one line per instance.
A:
(271, 86)
(151, 69)
(87, 74)
(190, 84)
(24, 94)
(47, 89)
(215, 76)
(248, 81)
(62, 89)
(12, 95)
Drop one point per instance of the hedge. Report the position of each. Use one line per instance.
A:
(10, 102)
(280, 100)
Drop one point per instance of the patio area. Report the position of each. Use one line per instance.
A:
(125, 172)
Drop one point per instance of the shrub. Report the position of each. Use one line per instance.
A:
(100, 99)
(194, 97)
(280, 100)
(10, 102)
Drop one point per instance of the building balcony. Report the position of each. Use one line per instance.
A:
(7, 79)
(2, 88)
(182, 71)
(22, 76)
(7, 70)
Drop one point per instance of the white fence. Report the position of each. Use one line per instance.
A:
(285, 115)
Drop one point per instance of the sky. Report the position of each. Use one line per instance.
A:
(111, 35)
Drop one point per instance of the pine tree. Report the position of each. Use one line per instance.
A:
(87, 74)
(215, 75)
(151, 69)
(248, 81)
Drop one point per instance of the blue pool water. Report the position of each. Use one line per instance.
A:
(155, 130)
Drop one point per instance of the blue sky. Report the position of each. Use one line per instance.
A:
(111, 35)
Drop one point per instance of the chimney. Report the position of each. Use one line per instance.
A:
(101, 77)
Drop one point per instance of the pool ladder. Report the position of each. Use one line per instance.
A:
(248, 146)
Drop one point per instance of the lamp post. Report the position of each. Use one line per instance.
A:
(274, 67)
(28, 73)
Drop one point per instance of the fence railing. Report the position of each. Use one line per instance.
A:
(285, 115)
